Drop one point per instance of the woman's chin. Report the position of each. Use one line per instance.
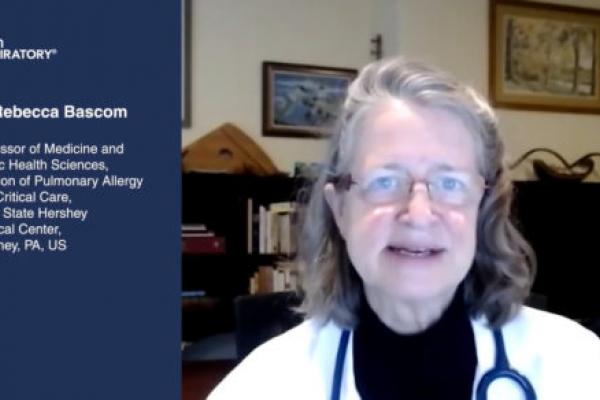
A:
(417, 282)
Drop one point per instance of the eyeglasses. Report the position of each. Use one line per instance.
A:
(454, 188)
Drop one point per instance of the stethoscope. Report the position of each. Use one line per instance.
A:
(501, 370)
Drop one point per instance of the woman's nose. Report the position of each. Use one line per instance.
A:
(418, 210)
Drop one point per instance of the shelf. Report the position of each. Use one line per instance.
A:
(200, 303)
(219, 202)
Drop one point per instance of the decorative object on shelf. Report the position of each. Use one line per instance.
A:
(544, 56)
(227, 149)
(572, 172)
(302, 100)
(307, 170)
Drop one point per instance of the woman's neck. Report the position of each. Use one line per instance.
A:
(407, 316)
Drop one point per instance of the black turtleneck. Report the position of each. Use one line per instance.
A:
(438, 363)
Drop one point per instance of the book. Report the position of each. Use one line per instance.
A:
(269, 279)
(193, 293)
(203, 245)
(278, 280)
(272, 232)
(262, 229)
(265, 279)
(289, 269)
(249, 225)
(282, 207)
(279, 226)
(197, 234)
(194, 228)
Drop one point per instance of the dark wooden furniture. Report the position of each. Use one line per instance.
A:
(562, 222)
(198, 378)
(220, 201)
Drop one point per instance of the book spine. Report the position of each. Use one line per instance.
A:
(204, 245)
(262, 229)
(249, 225)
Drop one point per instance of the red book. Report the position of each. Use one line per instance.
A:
(203, 245)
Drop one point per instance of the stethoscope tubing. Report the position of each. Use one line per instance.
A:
(501, 370)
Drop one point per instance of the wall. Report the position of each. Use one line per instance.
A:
(454, 35)
(231, 38)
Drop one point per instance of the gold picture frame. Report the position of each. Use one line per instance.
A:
(302, 100)
(544, 56)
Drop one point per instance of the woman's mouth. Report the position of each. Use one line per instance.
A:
(415, 252)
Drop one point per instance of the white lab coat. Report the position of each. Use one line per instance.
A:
(558, 356)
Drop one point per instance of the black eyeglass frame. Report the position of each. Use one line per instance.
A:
(345, 182)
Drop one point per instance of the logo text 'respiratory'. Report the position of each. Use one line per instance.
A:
(24, 54)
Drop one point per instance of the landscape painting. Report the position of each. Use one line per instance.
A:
(302, 100)
(544, 57)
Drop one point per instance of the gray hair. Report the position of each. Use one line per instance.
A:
(504, 264)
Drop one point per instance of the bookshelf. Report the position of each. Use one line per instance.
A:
(217, 263)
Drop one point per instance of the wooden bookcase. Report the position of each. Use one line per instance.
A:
(220, 202)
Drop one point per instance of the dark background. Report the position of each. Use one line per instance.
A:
(100, 321)
(560, 220)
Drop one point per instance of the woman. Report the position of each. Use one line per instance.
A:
(414, 276)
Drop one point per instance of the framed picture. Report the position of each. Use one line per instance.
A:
(544, 56)
(302, 100)
(186, 29)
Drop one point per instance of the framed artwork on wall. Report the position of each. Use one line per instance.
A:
(544, 56)
(302, 100)
(186, 29)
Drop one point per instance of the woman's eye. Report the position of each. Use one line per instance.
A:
(383, 183)
(450, 184)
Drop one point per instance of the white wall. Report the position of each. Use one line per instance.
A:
(231, 38)
(454, 35)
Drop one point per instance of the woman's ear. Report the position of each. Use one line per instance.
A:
(334, 201)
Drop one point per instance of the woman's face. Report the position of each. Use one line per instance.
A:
(413, 248)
